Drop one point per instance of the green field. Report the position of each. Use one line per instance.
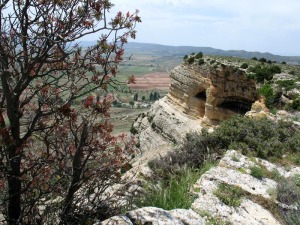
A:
(123, 118)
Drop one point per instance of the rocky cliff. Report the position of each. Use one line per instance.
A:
(199, 96)
(211, 93)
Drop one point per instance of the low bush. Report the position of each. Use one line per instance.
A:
(133, 130)
(153, 125)
(229, 195)
(199, 55)
(262, 60)
(288, 192)
(264, 72)
(212, 62)
(296, 104)
(200, 62)
(191, 60)
(266, 90)
(259, 138)
(244, 66)
(257, 172)
(173, 192)
(287, 84)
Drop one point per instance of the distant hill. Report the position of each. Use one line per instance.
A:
(165, 50)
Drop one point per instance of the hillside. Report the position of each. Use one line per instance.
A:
(180, 51)
(221, 148)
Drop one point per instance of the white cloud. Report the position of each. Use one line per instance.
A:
(268, 25)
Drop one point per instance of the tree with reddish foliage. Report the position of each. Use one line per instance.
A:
(57, 154)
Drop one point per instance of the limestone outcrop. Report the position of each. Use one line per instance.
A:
(256, 206)
(199, 96)
(156, 216)
(163, 125)
(214, 94)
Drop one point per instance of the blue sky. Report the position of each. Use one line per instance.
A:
(253, 25)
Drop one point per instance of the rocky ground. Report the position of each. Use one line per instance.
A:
(257, 203)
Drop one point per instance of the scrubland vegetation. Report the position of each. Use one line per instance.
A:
(275, 141)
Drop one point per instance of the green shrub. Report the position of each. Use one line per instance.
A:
(254, 58)
(263, 72)
(287, 84)
(244, 66)
(200, 62)
(275, 69)
(229, 194)
(266, 90)
(262, 60)
(191, 60)
(133, 130)
(251, 76)
(194, 153)
(296, 104)
(150, 119)
(257, 172)
(199, 55)
(173, 192)
(153, 125)
(138, 145)
(185, 57)
(288, 192)
(261, 137)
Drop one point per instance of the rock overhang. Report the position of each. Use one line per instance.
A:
(212, 93)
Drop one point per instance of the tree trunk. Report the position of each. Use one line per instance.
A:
(76, 175)
(14, 189)
(12, 148)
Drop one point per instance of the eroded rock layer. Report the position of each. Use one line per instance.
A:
(214, 94)
(199, 96)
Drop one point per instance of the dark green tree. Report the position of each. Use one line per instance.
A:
(151, 97)
(131, 103)
(135, 97)
(244, 66)
(263, 60)
(155, 96)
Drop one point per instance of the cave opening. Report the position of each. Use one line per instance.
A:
(239, 106)
(201, 95)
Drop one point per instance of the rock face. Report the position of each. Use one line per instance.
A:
(214, 94)
(199, 96)
(156, 216)
(256, 203)
(162, 125)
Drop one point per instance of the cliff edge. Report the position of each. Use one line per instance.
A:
(200, 96)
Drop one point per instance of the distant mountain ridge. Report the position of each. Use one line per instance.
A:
(135, 47)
